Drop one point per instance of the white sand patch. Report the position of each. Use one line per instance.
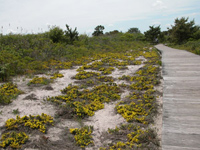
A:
(141, 58)
(158, 118)
(53, 134)
(122, 82)
(130, 71)
(104, 119)
(91, 70)
(25, 107)
(69, 123)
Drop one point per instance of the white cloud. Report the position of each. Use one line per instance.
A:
(159, 5)
(110, 25)
(192, 15)
(86, 14)
(156, 23)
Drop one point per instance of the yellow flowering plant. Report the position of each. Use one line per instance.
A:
(133, 137)
(8, 91)
(34, 122)
(39, 80)
(105, 79)
(84, 75)
(57, 75)
(13, 139)
(83, 135)
(84, 103)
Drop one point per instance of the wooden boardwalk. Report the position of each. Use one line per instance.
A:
(181, 99)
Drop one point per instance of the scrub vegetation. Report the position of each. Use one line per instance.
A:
(103, 67)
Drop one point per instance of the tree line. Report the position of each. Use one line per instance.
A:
(35, 53)
(179, 33)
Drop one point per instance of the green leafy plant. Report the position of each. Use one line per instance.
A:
(182, 30)
(56, 34)
(16, 111)
(70, 34)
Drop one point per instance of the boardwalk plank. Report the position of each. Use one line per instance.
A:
(181, 99)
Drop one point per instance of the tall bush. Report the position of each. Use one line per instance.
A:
(182, 30)
(56, 34)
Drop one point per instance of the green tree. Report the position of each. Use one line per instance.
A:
(152, 34)
(71, 35)
(98, 30)
(112, 32)
(182, 30)
(196, 35)
(134, 30)
(163, 37)
(56, 34)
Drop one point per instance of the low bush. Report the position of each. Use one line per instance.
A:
(82, 136)
(8, 91)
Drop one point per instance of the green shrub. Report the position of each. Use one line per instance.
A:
(56, 34)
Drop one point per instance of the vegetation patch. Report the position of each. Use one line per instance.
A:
(39, 81)
(84, 103)
(13, 140)
(106, 79)
(57, 75)
(106, 71)
(191, 46)
(84, 75)
(122, 67)
(8, 91)
(16, 130)
(130, 136)
(94, 66)
(34, 122)
(83, 135)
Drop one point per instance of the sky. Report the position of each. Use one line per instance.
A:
(37, 16)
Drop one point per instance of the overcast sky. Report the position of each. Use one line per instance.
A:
(32, 16)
